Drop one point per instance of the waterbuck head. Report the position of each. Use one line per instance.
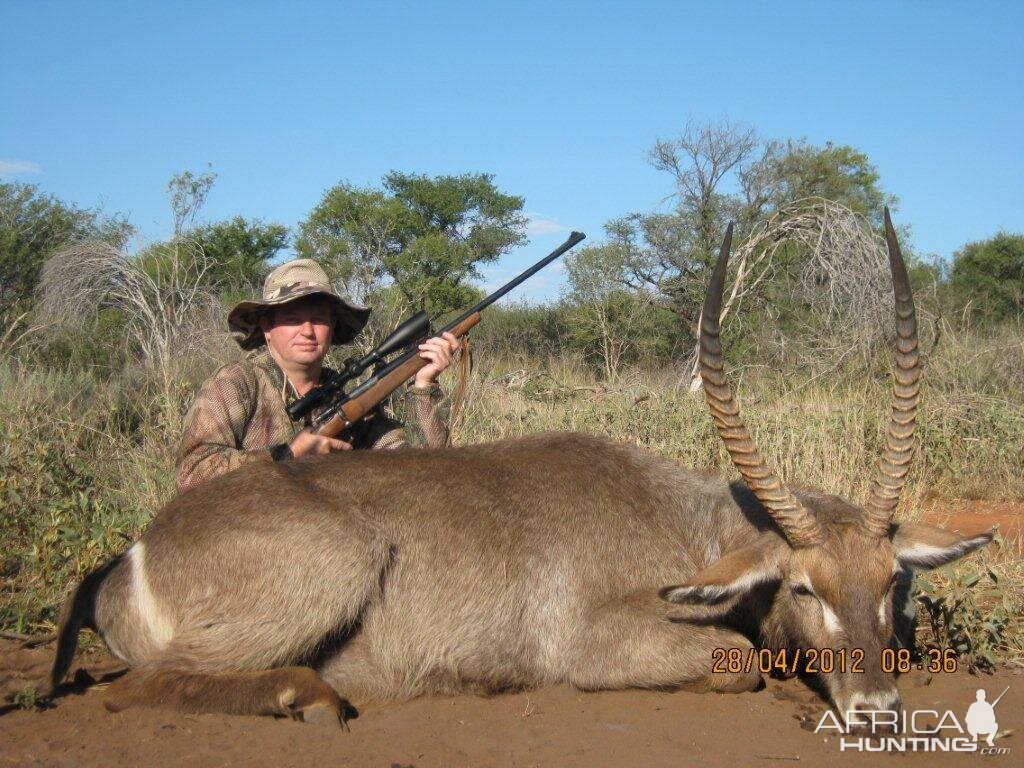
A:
(829, 577)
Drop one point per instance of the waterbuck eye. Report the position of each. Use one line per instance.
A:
(802, 589)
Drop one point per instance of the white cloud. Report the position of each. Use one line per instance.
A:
(14, 167)
(539, 224)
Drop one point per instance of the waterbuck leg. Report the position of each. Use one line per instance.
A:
(275, 611)
(295, 692)
(634, 645)
(354, 670)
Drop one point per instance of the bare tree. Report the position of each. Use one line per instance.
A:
(699, 160)
(669, 254)
(841, 271)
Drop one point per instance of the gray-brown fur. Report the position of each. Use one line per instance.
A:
(288, 691)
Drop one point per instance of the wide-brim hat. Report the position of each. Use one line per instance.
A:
(290, 281)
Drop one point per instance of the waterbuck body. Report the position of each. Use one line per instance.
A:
(557, 558)
(529, 561)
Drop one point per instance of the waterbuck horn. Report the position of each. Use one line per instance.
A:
(899, 441)
(800, 526)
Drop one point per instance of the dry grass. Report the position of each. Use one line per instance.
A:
(828, 434)
(84, 463)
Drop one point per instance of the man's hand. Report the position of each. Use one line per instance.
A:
(438, 351)
(306, 443)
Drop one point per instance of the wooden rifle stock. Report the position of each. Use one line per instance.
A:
(355, 408)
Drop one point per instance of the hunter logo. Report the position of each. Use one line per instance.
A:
(981, 717)
(920, 730)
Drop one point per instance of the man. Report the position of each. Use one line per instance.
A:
(239, 414)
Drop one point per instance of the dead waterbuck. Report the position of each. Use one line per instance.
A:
(280, 586)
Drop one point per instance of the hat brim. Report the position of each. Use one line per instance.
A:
(244, 319)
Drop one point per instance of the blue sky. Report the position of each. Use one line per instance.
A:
(101, 102)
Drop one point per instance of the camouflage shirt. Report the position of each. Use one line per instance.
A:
(239, 416)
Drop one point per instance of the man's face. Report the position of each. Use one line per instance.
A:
(300, 332)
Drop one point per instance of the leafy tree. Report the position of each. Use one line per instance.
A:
(794, 170)
(524, 329)
(426, 236)
(32, 226)
(607, 320)
(723, 172)
(989, 276)
(241, 249)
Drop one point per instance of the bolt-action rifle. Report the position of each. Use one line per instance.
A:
(346, 408)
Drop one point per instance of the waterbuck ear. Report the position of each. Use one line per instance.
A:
(735, 572)
(924, 546)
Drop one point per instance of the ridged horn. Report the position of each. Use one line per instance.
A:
(899, 441)
(799, 525)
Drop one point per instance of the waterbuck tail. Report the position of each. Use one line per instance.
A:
(78, 613)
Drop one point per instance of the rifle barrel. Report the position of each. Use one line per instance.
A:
(573, 239)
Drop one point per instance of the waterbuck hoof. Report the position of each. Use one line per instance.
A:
(308, 699)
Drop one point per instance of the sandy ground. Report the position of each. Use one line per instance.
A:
(557, 726)
(975, 516)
